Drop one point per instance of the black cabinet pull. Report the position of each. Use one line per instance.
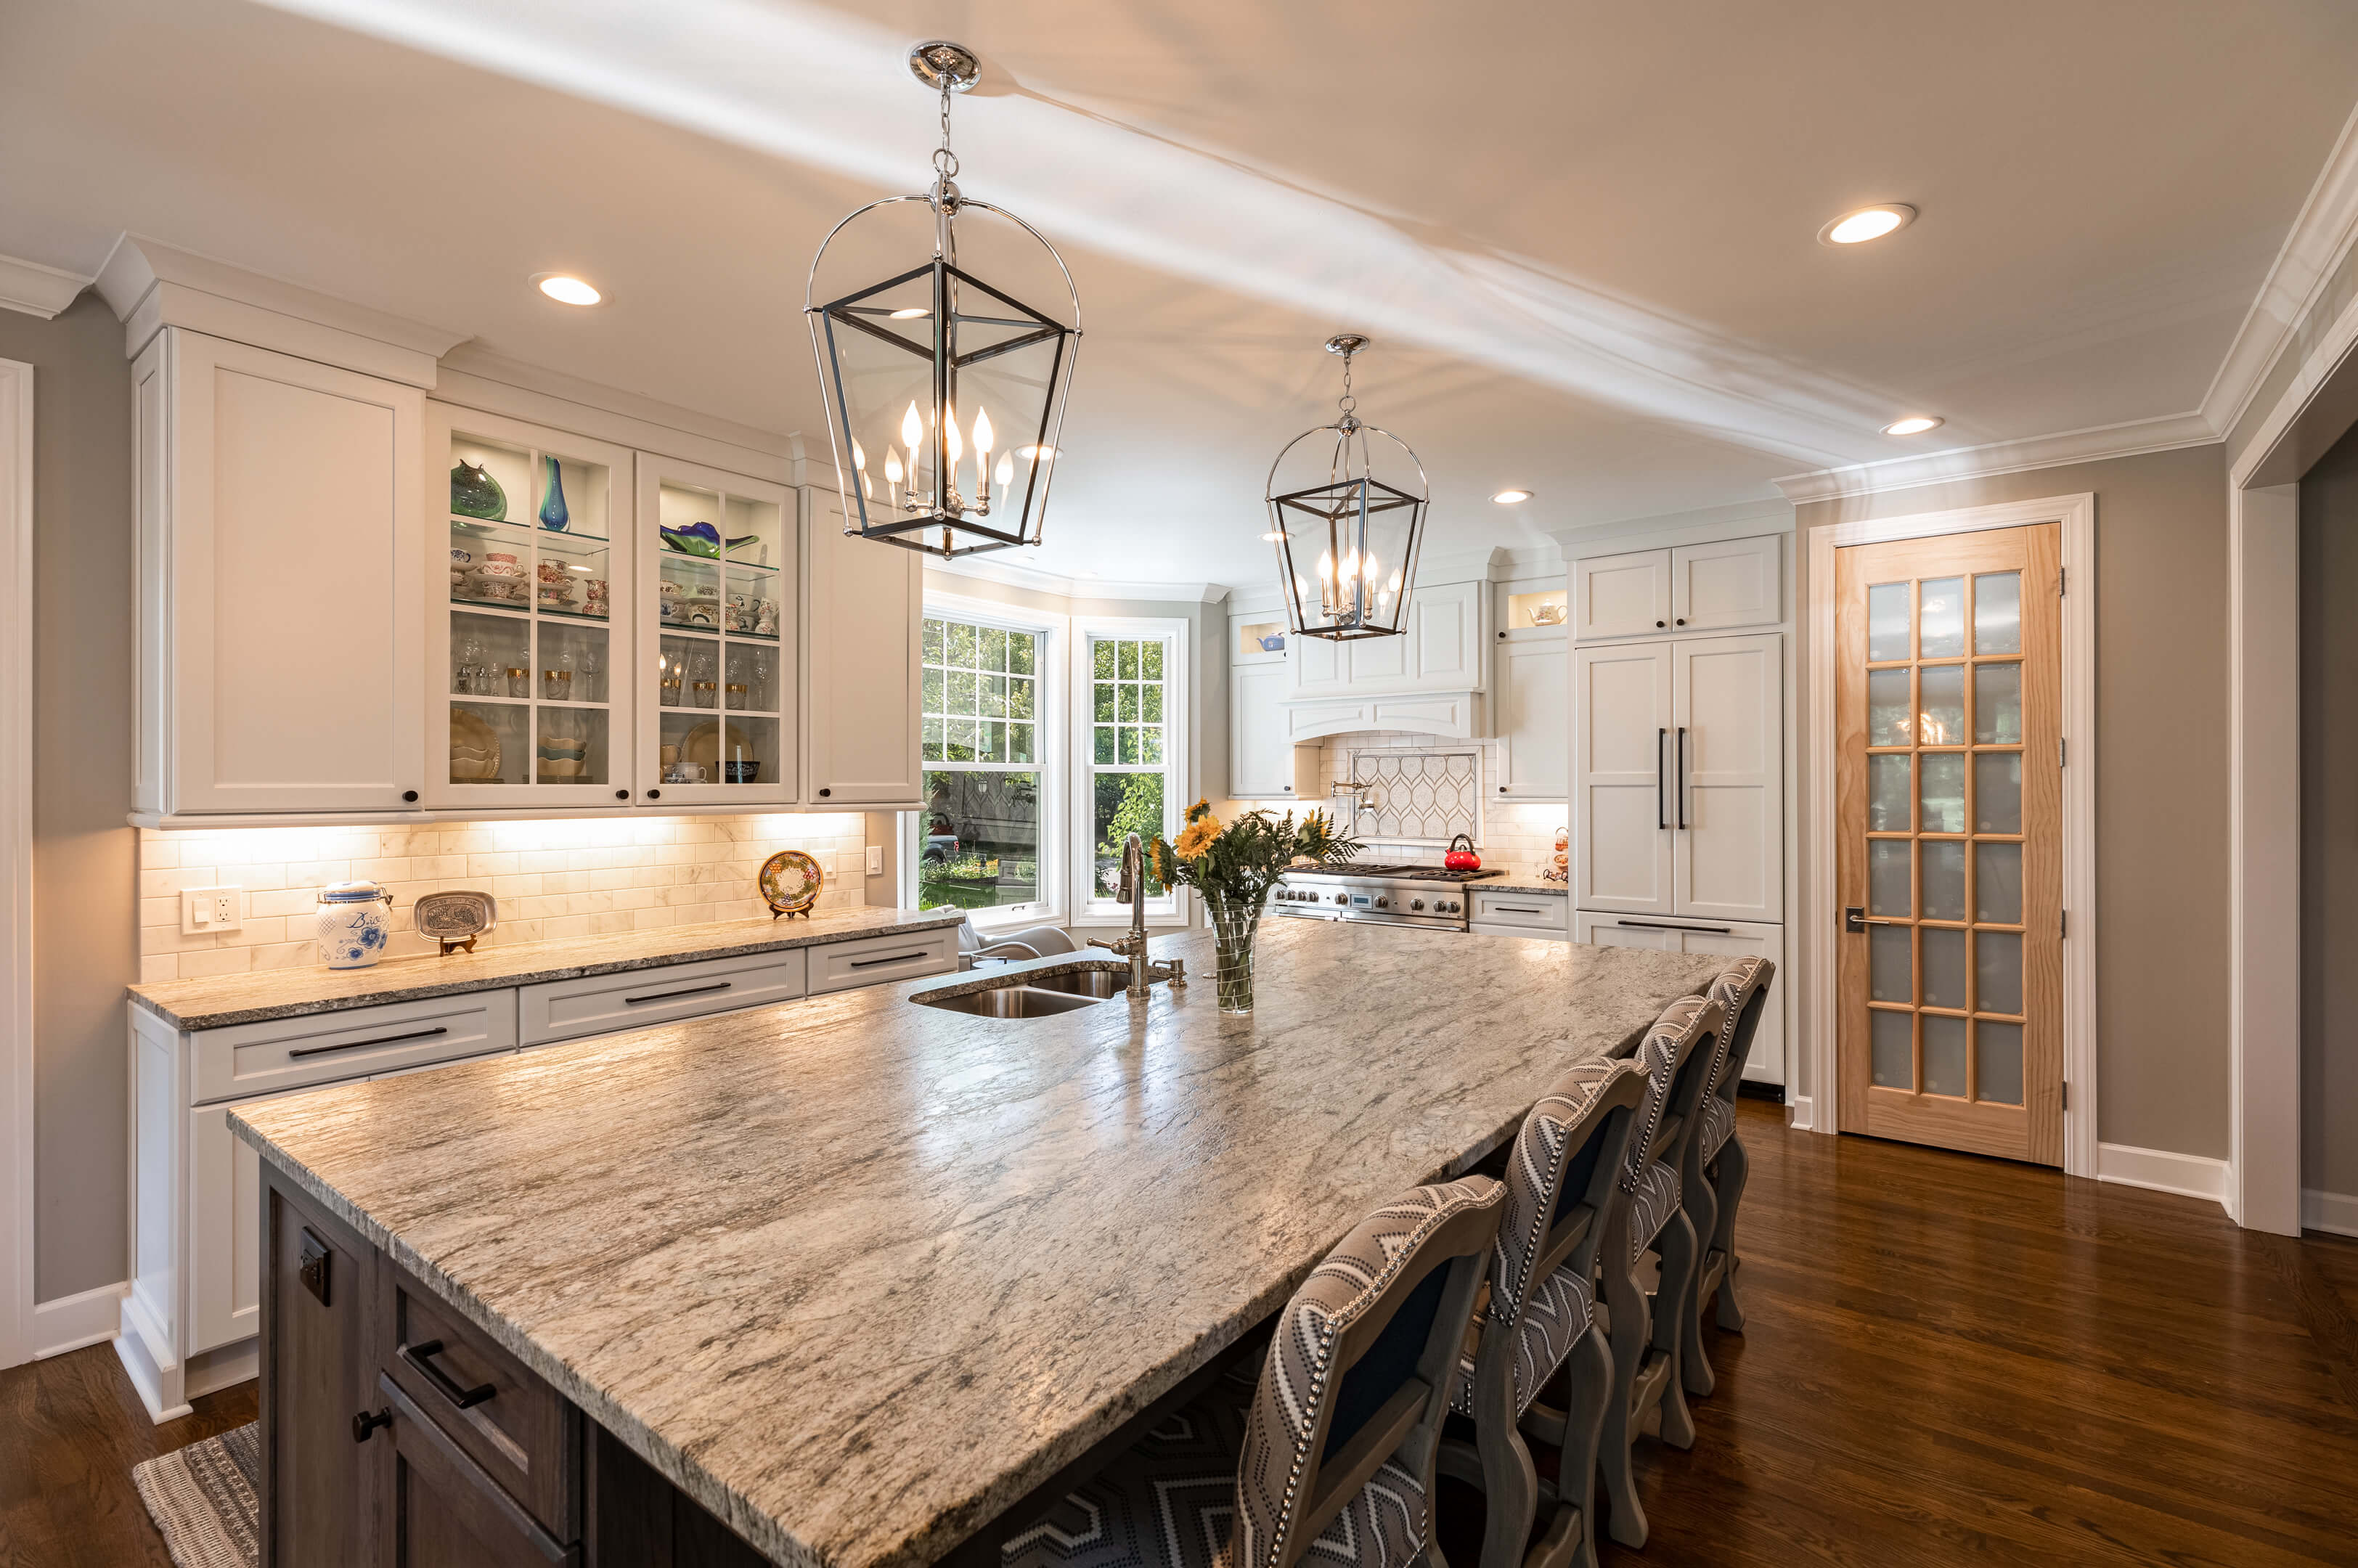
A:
(825, 792)
(364, 1045)
(684, 990)
(1680, 783)
(655, 795)
(621, 794)
(1651, 926)
(409, 795)
(369, 1421)
(889, 958)
(1662, 806)
(421, 1357)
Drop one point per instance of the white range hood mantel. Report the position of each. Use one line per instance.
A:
(1447, 714)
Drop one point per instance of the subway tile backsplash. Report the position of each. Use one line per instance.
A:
(568, 877)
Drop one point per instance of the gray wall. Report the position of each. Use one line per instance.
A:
(2161, 777)
(85, 916)
(2329, 822)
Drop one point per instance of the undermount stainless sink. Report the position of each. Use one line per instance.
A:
(1044, 998)
(1095, 984)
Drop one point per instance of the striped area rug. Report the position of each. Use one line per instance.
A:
(205, 1499)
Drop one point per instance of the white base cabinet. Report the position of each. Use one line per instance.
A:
(1766, 1064)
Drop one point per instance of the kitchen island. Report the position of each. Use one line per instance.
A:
(857, 1274)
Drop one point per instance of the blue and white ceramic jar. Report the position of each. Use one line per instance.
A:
(353, 921)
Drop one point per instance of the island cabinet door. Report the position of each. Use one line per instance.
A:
(438, 1509)
(315, 1379)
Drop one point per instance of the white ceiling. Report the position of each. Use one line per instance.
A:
(1583, 235)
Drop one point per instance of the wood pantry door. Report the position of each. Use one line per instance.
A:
(1949, 804)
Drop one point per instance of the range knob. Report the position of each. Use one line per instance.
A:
(1416, 904)
(1383, 904)
(1342, 898)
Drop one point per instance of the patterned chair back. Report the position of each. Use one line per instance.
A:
(1675, 1056)
(1742, 989)
(1347, 1415)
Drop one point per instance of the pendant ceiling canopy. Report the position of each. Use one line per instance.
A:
(944, 391)
(1347, 506)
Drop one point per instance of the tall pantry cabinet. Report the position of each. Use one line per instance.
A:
(1678, 756)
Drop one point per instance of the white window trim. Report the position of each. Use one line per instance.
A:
(1056, 775)
(17, 1325)
(1177, 906)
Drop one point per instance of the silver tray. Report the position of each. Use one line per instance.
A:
(455, 919)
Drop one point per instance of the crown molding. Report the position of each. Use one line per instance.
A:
(2159, 435)
(37, 291)
(151, 286)
(1009, 574)
(1576, 540)
(470, 376)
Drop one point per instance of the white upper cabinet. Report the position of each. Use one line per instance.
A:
(1530, 697)
(1684, 589)
(863, 605)
(1715, 588)
(720, 561)
(281, 583)
(1260, 752)
(1441, 651)
(532, 646)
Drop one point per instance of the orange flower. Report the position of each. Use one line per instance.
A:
(1198, 836)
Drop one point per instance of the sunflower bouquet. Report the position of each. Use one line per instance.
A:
(1234, 866)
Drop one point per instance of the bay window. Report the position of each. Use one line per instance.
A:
(984, 841)
(1129, 730)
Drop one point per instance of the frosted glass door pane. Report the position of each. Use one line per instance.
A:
(1999, 1047)
(1888, 963)
(1998, 958)
(1941, 631)
(1997, 884)
(1998, 612)
(1941, 705)
(1887, 793)
(1944, 881)
(1944, 791)
(1887, 622)
(1945, 972)
(1887, 878)
(1997, 792)
(1891, 715)
(1944, 1056)
(1997, 705)
(1893, 1039)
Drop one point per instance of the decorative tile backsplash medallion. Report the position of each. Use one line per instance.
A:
(560, 877)
(1515, 834)
(1418, 797)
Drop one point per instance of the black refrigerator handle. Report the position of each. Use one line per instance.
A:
(1681, 783)
(1662, 808)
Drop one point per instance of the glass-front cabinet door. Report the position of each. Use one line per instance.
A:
(531, 637)
(717, 556)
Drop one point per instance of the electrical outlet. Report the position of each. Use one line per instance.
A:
(875, 859)
(205, 909)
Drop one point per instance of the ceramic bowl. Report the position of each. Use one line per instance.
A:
(560, 767)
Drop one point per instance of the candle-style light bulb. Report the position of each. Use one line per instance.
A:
(859, 455)
(1006, 472)
(956, 441)
(983, 434)
(913, 429)
(892, 471)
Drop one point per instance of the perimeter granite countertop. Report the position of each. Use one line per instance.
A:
(1520, 879)
(860, 1274)
(223, 999)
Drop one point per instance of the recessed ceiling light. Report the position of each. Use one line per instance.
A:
(1867, 224)
(1511, 497)
(1914, 425)
(567, 289)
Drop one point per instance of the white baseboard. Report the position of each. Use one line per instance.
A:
(1801, 1113)
(2333, 1212)
(2189, 1175)
(70, 1323)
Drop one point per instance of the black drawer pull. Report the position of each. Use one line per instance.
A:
(888, 958)
(1650, 925)
(364, 1045)
(1515, 909)
(683, 991)
(420, 1356)
(369, 1421)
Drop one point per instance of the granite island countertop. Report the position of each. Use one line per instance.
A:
(858, 1274)
(220, 1000)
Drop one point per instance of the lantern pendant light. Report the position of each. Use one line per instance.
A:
(1347, 506)
(944, 393)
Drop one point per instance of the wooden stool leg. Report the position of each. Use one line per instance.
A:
(1628, 1304)
(1695, 1366)
(1510, 1492)
(1591, 1367)
(1734, 1166)
(1673, 1303)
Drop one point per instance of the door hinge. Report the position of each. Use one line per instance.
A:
(2059, 751)
(2067, 1094)
(2060, 589)
(2062, 923)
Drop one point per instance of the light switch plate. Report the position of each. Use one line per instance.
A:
(875, 859)
(204, 910)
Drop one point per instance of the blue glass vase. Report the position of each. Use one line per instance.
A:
(552, 504)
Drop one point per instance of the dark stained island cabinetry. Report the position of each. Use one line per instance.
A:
(396, 1434)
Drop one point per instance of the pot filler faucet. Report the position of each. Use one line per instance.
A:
(1132, 890)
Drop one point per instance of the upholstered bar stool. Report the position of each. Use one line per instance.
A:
(1331, 1455)
(1562, 1182)
(1646, 1335)
(1716, 1164)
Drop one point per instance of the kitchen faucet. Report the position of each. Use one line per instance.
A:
(1132, 890)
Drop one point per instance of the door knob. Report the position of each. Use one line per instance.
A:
(369, 1421)
(1855, 918)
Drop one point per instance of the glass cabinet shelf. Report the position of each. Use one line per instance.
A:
(718, 559)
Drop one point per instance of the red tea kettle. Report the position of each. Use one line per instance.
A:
(1464, 859)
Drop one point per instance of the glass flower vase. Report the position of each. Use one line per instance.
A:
(1235, 921)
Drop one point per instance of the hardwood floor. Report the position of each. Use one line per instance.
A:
(1948, 1360)
(71, 1429)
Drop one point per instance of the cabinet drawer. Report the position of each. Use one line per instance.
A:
(839, 966)
(563, 1010)
(441, 1510)
(321, 1048)
(524, 1434)
(1547, 912)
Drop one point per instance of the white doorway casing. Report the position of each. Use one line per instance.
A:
(17, 1332)
(1819, 911)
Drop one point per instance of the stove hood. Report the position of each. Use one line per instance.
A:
(1447, 714)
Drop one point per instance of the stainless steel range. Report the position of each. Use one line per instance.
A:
(1430, 896)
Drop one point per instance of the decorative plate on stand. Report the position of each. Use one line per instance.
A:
(790, 882)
